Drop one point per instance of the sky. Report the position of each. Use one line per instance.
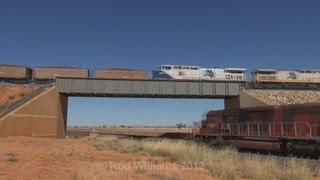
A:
(143, 34)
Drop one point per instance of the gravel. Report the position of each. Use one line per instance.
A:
(283, 97)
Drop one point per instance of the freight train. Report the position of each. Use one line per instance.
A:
(41, 75)
(23, 74)
(285, 128)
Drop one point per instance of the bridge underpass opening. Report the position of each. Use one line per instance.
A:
(92, 111)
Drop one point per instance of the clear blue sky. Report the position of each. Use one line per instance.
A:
(143, 34)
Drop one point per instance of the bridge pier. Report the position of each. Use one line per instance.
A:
(44, 115)
(232, 102)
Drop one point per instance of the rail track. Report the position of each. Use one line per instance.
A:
(188, 137)
(142, 134)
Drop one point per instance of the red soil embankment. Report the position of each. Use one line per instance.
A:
(12, 93)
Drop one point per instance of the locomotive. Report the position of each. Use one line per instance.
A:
(285, 128)
(285, 76)
(199, 73)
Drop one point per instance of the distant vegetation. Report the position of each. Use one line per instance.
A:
(180, 125)
(224, 163)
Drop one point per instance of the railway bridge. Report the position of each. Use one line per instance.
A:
(45, 114)
(147, 88)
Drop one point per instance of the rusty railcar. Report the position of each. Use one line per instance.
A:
(45, 74)
(118, 73)
(14, 73)
(285, 127)
(294, 119)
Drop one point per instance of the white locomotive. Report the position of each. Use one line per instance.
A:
(199, 73)
(285, 76)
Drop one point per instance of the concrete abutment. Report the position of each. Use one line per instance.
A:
(44, 115)
(244, 100)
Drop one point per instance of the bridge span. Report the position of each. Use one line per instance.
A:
(147, 88)
(45, 114)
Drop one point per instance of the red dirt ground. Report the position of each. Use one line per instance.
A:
(41, 158)
(15, 92)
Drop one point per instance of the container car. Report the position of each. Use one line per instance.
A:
(120, 74)
(45, 74)
(199, 73)
(14, 73)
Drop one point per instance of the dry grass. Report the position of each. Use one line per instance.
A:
(172, 176)
(224, 163)
(141, 170)
(2, 106)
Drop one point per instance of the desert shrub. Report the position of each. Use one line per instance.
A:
(11, 97)
(180, 125)
(12, 157)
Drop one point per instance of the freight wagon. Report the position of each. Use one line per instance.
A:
(48, 74)
(120, 74)
(15, 74)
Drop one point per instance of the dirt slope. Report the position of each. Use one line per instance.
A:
(11, 93)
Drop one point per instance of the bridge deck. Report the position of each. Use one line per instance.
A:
(147, 88)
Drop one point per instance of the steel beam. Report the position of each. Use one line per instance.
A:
(147, 88)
